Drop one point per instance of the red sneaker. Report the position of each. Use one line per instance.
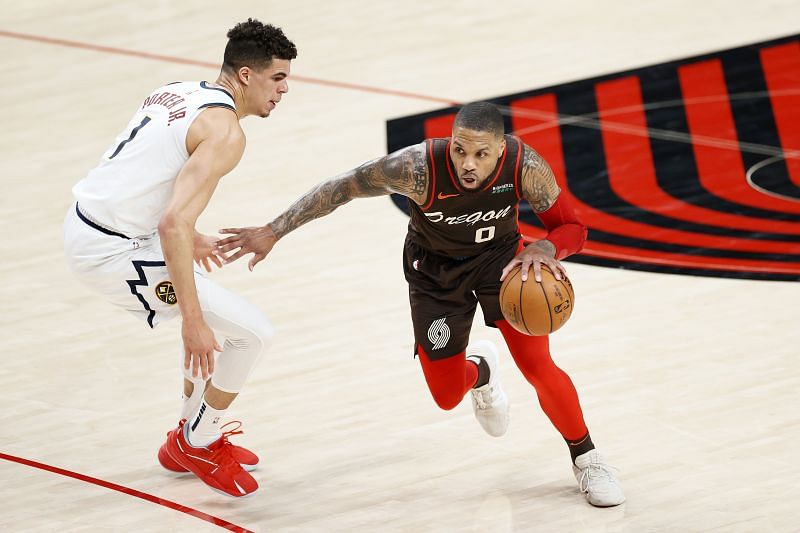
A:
(243, 456)
(213, 464)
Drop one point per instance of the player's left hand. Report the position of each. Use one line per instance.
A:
(205, 250)
(534, 255)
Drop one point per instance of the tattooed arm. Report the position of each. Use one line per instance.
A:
(403, 172)
(540, 189)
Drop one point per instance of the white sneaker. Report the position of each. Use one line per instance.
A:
(596, 479)
(489, 402)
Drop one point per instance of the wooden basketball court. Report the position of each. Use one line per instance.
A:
(689, 384)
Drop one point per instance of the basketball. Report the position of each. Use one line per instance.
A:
(536, 308)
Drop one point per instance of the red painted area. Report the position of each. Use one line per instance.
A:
(627, 254)
(126, 490)
(441, 126)
(547, 141)
(781, 65)
(709, 115)
(632, 172)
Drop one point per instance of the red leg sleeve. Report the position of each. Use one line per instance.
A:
(557, 394)
(448, 379)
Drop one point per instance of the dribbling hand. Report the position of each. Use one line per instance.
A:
(534, 256)
(257, 240)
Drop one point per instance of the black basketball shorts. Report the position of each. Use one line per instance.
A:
(444, 293)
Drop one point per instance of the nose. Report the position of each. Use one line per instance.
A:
(283, 87)
(469, 164)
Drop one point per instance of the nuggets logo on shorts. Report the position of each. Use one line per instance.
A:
(166, 293)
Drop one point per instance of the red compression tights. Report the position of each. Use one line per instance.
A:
(557, 394)
(451, 378)
(448, 379)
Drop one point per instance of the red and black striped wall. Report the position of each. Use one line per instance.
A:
(689, 167)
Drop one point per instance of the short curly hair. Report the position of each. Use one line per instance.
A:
(255, 44)
(480, 116)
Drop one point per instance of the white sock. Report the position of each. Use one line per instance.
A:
(191, 403)
(204, 425)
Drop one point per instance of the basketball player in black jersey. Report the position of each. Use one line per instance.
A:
(462, 240)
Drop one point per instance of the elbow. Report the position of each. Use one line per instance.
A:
(583, 235)
(166, 226)
(170, 225)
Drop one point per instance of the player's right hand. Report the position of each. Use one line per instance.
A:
(257, 240)
(199, 345)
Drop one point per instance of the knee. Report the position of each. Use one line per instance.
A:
(446, 398)
(263, 333)
(255, 338)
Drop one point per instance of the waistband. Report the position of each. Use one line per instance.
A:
(87, 218)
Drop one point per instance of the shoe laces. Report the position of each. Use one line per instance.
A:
(480, 399)
(595, 471)
(230, 432)
(233, 431)
(222, 454)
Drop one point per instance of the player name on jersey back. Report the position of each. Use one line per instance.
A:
(129, 189)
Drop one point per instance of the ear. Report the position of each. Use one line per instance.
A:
(502, 146)
(244, 75)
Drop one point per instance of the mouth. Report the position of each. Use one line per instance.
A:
(469, 178)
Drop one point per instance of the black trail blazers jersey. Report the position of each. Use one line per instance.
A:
(455, 222)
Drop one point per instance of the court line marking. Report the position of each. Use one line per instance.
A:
(197, 63)
(586, 121)
(128, 491)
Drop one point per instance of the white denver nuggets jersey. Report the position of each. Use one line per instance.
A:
(130, 188)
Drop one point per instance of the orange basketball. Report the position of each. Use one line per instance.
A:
(536, 308)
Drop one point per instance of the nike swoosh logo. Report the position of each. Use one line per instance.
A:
(442, 196)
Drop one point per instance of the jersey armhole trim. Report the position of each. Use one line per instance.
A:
(432, 166)
(217, 104)
(520, 149)
(204, 85)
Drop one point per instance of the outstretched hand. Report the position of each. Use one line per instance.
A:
(205, 250)
(256, 240)
(534, 256)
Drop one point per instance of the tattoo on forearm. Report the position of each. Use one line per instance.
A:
(538, 181)
(318, 202)
(367, 182)
(403, 172)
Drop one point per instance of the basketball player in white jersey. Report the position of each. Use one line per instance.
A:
(131, 236)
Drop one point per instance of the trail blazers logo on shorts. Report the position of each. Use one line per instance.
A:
(166, 293)
(439, 333)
